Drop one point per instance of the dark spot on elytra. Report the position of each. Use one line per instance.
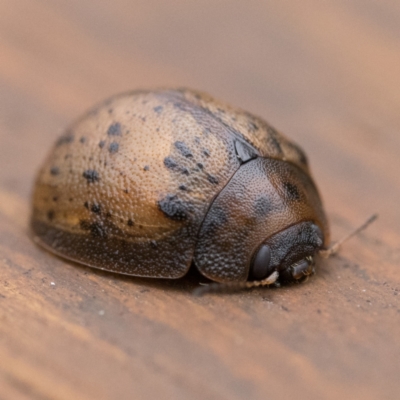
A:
(174, 208)
(262, 206)
(82, 139)
(126, 191)
(102, 143)
(68, 138)
(212, 179)
(183, 149)
(200, 165)
(146, 168)
(54, 171)
(114, 129)
(170, 163)
(55, 198)
(108, 214)
(50, 215)
(97, 230)
(276, 144)
(96, 208)
(273, 138)
(86, 205)
(206, 152)
(130, 222)
(291, 191)
(180, 106)
(253, 126)
(184, 171)
(158, 109)
(113, 147)
(91, 175)
(110, 110)
(143, 119)
(182, 187)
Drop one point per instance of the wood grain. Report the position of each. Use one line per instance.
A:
(325, 73)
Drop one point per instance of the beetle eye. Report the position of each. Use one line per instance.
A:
(260, 265)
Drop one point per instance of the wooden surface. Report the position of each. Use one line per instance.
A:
(327, 73)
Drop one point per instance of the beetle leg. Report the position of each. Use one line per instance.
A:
(235, 286)
(265, 282)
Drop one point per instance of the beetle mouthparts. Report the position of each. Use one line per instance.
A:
(302, 268)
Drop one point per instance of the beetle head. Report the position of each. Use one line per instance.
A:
(290, 252)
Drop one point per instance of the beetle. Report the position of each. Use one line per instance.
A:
(150, 182)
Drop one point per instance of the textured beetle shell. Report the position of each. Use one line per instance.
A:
(148, 181)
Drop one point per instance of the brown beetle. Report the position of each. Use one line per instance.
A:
(150, 182)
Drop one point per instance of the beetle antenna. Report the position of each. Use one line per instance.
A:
(330, 251)
(235, 286)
